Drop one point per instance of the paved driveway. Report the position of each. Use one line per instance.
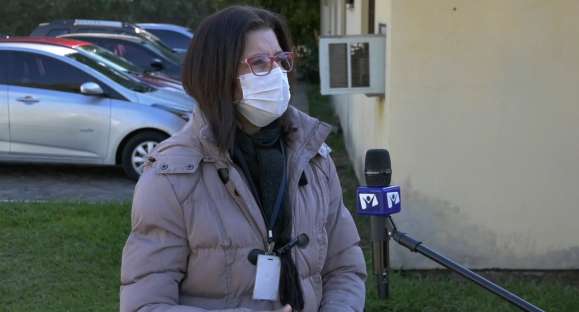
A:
(25, 182)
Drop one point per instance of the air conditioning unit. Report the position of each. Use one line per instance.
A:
(353, 64)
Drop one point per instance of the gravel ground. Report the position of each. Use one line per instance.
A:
(27, 182)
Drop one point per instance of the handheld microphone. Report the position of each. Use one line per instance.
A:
(370, 201)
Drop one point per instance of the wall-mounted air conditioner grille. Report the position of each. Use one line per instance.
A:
(338, 55)
(352, 64)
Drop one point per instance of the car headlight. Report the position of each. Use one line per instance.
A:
(185, 116)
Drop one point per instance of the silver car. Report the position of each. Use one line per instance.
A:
(60, 106)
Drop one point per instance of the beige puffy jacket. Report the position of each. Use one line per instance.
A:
(191, 233)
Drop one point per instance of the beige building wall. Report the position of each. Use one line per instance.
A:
(481, 118)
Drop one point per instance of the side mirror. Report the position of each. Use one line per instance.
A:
(91, 88)
(157, 64)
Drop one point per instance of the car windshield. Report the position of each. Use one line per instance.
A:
(115, 75)
(111, 59)
(163, 50)
(148, 36)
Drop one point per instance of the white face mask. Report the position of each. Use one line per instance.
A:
(265, 98)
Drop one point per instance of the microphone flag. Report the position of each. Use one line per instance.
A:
(378, 201)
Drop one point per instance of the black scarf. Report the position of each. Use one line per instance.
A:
(262, 160)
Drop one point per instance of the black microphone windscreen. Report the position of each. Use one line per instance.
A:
(377, 167)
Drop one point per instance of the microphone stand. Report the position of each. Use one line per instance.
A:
(417, 246)
(380, 256)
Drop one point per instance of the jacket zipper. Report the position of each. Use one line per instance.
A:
(244, 207)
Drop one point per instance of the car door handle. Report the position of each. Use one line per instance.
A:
(27, 100)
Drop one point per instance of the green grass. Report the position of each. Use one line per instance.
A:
(66, 257)
(61, 256)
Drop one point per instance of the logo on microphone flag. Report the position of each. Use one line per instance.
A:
(393, 199)
(368, 200)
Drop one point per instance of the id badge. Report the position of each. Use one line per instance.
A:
(267, 278)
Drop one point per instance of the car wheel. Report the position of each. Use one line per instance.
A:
(137, 150)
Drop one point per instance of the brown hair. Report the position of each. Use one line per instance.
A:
(212, 62)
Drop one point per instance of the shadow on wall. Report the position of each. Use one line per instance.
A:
(446, 228)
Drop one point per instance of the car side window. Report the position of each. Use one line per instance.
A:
(57, 32)
(43, 72)
(135, 53)
(93, 30)
(172, 39)
(105, 44)
(5, 61)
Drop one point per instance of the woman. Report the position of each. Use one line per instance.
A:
(231, 195)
